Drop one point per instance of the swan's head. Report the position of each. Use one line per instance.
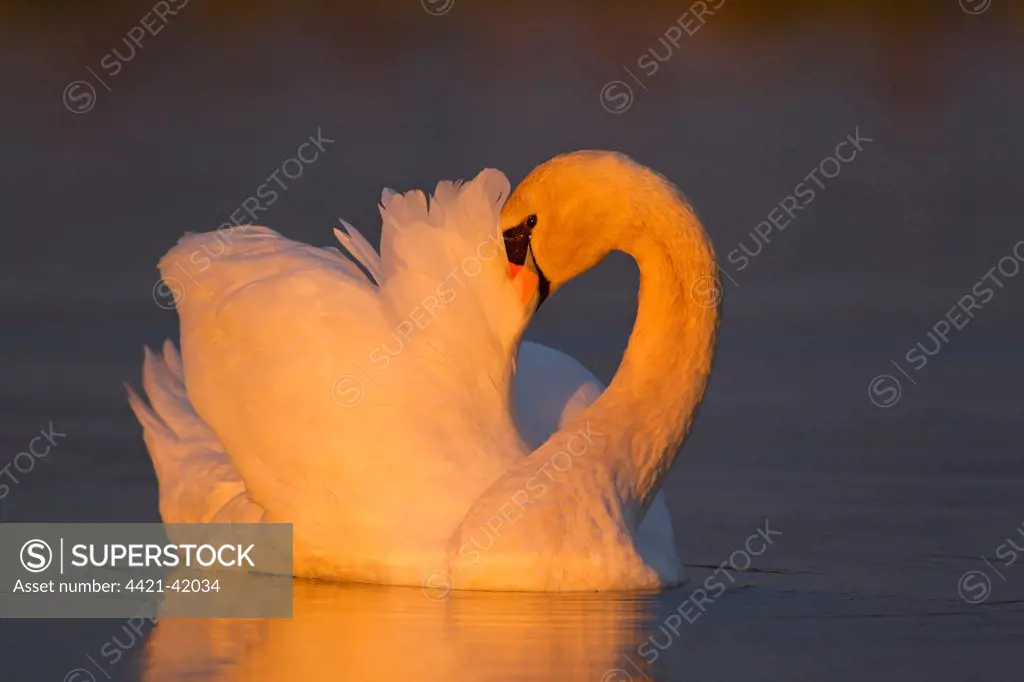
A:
(571, 211)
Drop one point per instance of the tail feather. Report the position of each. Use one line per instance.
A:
(360, 249)
(198, 482)
(165, 389)
(173, 360)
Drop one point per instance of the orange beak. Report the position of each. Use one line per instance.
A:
(524, 281)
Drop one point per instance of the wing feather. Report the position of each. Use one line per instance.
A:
(330, 392)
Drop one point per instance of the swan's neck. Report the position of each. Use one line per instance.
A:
(650, 404)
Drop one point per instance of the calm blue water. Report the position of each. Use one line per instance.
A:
(881, 511)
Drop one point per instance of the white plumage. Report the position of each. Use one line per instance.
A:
(370, 405)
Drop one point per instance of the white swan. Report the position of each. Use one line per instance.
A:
(245, 429)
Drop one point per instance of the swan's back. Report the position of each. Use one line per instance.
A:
(336, 395)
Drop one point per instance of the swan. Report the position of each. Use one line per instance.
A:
(241, 425)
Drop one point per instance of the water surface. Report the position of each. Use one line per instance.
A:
(882, 511)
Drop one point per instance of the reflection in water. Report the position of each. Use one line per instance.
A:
(357, 632)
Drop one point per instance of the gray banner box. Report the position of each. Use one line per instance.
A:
(167, 571)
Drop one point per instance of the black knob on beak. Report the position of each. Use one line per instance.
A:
(517, 243)
(519, 252)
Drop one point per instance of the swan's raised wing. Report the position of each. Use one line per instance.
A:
(198, 482)
(333, 393)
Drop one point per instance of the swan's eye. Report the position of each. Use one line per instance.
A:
(531, 222)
